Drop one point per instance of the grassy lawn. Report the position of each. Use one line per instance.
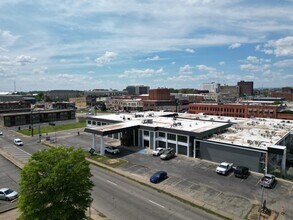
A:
(49, 129)
(112, 162)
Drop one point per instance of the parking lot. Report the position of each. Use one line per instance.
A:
(197, 181)
(9, 178)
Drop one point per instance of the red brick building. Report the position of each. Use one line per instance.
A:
(159, 94)
(235, 110)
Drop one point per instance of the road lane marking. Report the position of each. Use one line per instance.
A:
(156, 204)
(112, 182)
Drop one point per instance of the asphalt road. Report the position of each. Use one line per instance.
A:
(9, 178)
(115, 196)
(120, 198)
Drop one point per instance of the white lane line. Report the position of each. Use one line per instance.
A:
(111, 182)
(156, 204)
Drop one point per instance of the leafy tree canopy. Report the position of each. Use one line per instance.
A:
(55, 184)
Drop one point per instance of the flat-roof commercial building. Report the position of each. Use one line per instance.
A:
(234, 110)
(256, 143)
(34, 117)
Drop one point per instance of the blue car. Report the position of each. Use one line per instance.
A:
(158, 177)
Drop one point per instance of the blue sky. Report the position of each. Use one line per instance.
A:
(88, 44)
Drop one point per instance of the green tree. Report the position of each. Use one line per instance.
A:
(55, 184)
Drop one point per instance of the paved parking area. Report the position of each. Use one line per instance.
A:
(197, 181)
(9, 177)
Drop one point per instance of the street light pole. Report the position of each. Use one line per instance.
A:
(32, 123)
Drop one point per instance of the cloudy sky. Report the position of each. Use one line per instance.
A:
(87, 44)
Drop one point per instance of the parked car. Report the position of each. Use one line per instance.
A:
(8, 194)
(18, 142)
(168, 154)
(1, 133)
(158, 151)
(268, 180)
(158, 177)
(112, 150)
(241, 172)
(224, 168)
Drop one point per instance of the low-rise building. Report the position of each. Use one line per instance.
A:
(256, 143)
(234, 110)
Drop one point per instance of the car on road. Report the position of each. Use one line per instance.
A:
(1, 133)
(168, 154)
(8, 194)
(268, 180)
(18, 142)
(241, 172)
(112, 150)
(158, 151)
(224, 168)
(158, 176)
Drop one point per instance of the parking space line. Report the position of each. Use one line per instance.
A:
(257, 183)
(218, 194)
(131, 167)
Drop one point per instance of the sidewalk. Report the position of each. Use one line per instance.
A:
(14, 214)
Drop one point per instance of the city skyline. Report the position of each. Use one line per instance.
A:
(83, 45)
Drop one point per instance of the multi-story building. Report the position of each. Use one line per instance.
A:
(137, 90)
(211, 87)
(235, 110)
(229, 93)
(34, 117)
(92, 97)
(14, 106)
(124, 104)
(245, 88)
(286, 93)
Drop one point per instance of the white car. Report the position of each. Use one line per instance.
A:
(158, 151)
(224, 168)
(8, 194)
(18, 142)
(112, 150)
(1, 133)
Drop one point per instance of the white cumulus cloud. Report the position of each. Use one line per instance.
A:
(190, 50)
(222, 63)
(141, 73)
(280, 47)
(106, 58)
(40, 70)
(24, 59)
(185, 70)
(234, 46)
(153, 58)
(284, 63)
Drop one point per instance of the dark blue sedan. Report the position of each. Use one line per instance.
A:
(158, 177)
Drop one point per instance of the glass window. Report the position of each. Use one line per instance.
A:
(89, 122)
(172, 137)
(182, 138)
(94, 123)
(161, 134)
(146, 133)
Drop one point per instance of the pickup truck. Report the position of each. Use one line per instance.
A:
(224, 168)
(268, 180)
